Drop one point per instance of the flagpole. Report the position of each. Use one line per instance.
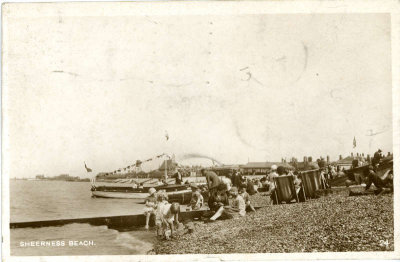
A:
(166, 159)
(166, 172)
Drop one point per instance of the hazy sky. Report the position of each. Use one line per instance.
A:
(104, 89)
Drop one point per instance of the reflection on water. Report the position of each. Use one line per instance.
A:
(99, 241)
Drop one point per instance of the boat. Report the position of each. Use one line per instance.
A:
(385, 167)
(176, 193)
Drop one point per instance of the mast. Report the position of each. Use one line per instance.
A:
(166, 170)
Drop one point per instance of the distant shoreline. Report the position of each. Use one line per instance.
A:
(34, 179)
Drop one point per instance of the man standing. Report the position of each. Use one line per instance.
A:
(178, 178)
(377, 158)
(270, 179)
(213, 181)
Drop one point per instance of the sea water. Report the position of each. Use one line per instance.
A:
(47, 200)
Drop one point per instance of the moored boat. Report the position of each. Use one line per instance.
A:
(176, 193)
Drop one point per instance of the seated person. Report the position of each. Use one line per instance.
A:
(259, 184)
(197, 200)
(250, 187)
(264, 183)
(379, 183)
(246, 198)
(270, 178)
(220, 198)
(151, 205)
(281, 171)
(354, 179)
(235, 209)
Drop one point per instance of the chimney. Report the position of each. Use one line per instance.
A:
(388, 153)
(357, 155)
(363, 154)
(340, 157)
(327, 159)
(352, 154)
(368, 158)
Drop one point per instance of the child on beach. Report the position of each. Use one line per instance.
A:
(236, 208)
(197, 200)
(151, 203)
(162, 202)
(246, 198)
(170, 215)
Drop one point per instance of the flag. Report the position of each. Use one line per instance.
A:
(354, 142)
(87, 169)
(166, 135)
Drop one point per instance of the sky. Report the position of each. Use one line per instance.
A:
(235, 88)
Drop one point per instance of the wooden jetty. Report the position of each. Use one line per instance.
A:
(114, 222)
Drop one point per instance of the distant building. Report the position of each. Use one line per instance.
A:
(171, 165)
(260, 168)
(224, 170)
(303, 166)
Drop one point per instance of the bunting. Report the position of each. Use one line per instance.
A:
(137, 164)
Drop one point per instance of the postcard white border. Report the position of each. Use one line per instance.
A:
(211, 8)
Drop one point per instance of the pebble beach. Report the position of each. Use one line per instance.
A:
(333, 223)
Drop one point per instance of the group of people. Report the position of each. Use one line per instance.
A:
(370, 176)
(165, 214)
(229, 198)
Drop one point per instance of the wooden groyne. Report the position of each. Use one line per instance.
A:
(128, 221)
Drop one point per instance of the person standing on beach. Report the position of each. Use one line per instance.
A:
(178, 178)
(377, 158)
(162, 202)
(238, 179)
(169, 216)
(213, 181)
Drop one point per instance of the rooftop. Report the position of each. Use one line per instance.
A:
(265, 165)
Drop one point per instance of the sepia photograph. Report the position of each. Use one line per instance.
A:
(199, 128)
